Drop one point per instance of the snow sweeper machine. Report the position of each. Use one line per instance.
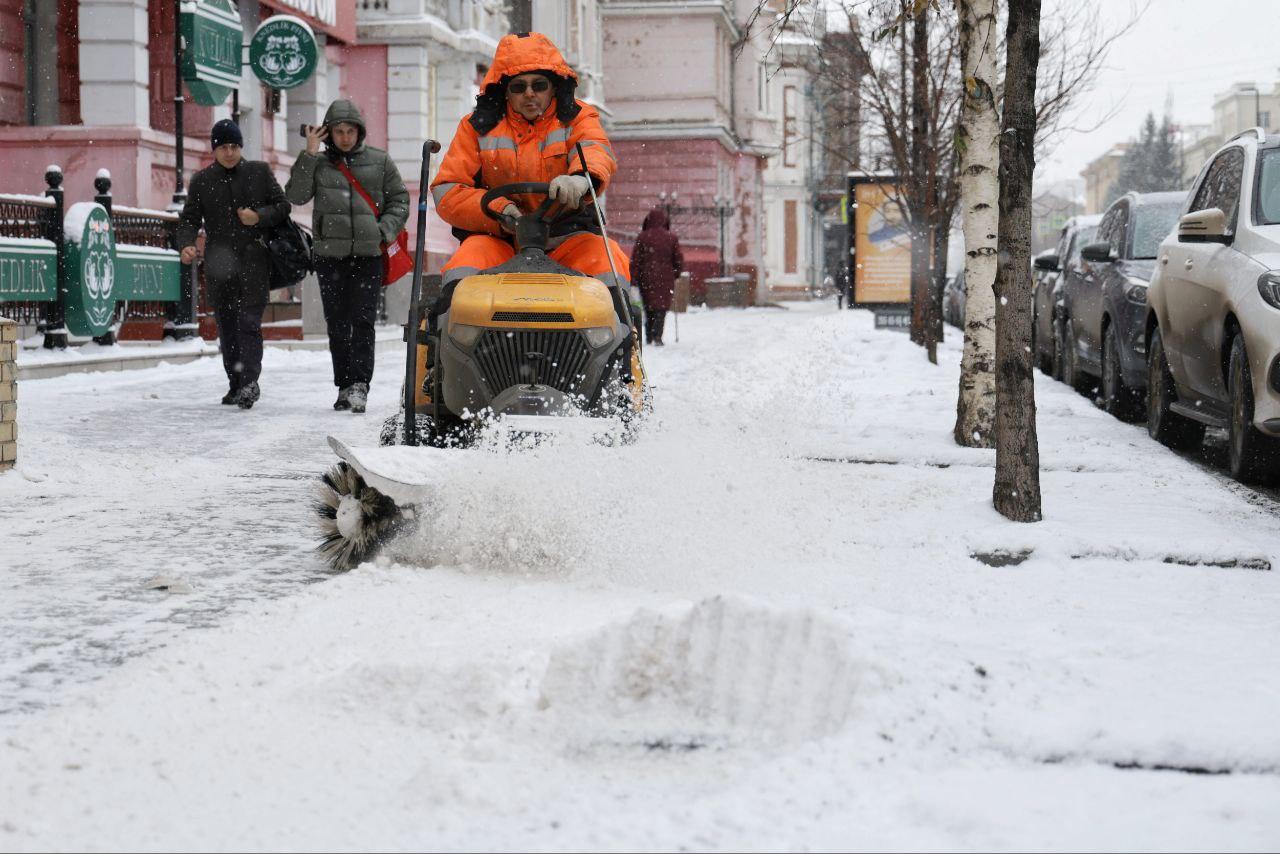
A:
(527, 351)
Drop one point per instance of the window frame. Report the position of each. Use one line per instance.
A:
(1233, 216)
(1255, 204)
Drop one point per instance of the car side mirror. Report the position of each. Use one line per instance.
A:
(1099, 252)
(1206, 226)
(1047, 262)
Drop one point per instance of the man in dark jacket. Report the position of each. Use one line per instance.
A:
(236, 200)
(348, 238)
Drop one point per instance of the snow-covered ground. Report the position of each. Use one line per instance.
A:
(761, 627)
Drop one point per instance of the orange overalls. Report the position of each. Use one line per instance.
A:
(516, 150)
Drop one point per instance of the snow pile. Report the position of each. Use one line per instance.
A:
(721, 672)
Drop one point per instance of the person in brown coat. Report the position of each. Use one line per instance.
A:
(655, 263)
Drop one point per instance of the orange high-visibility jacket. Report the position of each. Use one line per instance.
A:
(515, 149)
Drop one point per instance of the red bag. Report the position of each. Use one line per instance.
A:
(396, 260)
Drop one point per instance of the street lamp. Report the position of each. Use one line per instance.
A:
(722, 206)
(669, 204)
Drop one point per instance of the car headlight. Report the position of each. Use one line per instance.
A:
(463, 334)
(599, 336)
(1136, 291)
(1269, 287)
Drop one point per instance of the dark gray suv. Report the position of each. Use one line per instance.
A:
(1105, 301)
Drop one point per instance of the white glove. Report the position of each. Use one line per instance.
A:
(568, 190)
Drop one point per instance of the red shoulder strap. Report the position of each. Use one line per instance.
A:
(355, 185)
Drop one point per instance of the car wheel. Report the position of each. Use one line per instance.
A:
(1071, 373)
(1163, 424)
(1059, 350)
(1117, 398)
(1252, 454)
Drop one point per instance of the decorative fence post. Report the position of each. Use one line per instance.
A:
(8, 393)
(55, 319)
(102, 183)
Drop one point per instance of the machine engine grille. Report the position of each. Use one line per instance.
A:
(533, 316)
(553, 357)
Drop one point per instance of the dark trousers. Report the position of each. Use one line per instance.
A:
(240, 339)
(654, 321)
(349, 289)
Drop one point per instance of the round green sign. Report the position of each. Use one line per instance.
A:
(91, 269)
(283, 52)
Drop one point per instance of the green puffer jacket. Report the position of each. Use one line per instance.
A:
(341, 222)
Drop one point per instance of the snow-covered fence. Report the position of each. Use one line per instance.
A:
(31, 259)
(86, 268)
(140, 227)
(8, 393)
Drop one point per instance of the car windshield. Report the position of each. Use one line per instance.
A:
(1269, 188)
(1153, 224)
(1084, 236)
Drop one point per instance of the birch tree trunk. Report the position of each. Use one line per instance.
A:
(979, 199)
(1017, 485)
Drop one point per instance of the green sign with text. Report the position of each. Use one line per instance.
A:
(283, 52)
(101, 272)
(28, 270)
(212, 39)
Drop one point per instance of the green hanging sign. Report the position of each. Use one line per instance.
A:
(283, 52)
(212, 38)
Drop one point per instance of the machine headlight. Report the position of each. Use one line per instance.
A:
(1136, 291)
(599, 336)
(1269, 287)
(465, 335)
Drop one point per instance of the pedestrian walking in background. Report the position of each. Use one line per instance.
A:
(656, 261)
(349, 234)
(236, 201)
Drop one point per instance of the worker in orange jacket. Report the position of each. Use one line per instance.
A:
(524, 128)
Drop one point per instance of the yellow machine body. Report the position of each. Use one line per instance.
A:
(534, 302)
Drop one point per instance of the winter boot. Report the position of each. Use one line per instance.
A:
(230, 397)
(248, 396)
(358, 396)
(343, 401)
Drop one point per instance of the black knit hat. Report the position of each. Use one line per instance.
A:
(224, 132)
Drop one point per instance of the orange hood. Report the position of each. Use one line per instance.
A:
(521, 53)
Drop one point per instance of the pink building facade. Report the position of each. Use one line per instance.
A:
(696, 117)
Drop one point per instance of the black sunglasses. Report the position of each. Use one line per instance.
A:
(517, 87)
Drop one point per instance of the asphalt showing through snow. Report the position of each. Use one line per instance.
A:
(127, 477)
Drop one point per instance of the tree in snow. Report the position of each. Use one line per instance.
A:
(1151, 164)
(1073, 46)
(1017, 484)
(978, 138)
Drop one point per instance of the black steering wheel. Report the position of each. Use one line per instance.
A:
(523, 188)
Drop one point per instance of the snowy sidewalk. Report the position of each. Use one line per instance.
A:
(760, 627)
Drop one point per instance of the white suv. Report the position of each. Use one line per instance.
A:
(1213, 317)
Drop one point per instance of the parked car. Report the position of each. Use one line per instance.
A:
(1046, 302)
(1105, 301)
(1213, 320)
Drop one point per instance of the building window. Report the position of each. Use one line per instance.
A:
(790, 126)
(40, 46)
(790, 235)
(1264, 119)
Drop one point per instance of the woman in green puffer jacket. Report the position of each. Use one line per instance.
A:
(348, 238)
